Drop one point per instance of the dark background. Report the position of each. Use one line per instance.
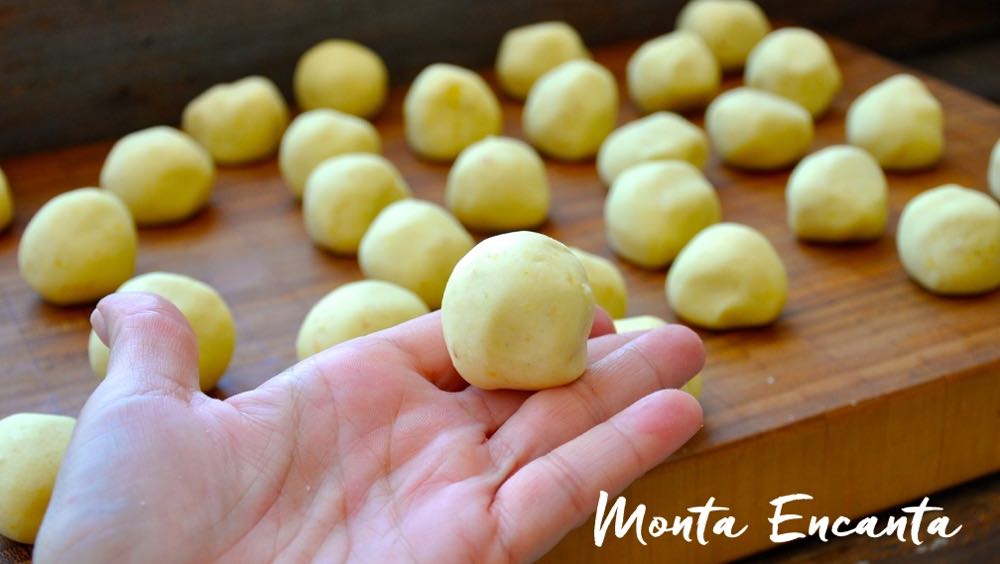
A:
(74, 71)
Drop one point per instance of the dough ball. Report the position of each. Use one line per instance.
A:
(571, 109)
(447, 109)
(529, 51)
(317, 135)
(994, 171)
(655, 208)
(79, 247)
(731, 28)
(160, 173)
(900, 122)
(498, 184)
(238, 122)
(795, 63)
(729, 276)
(675, 71)
(6, 203)
(661, 136)
(606, 282)
(837, 194)
(344, 194)
(206, 312)
(355, 310)
(948, 239)
(342, 75)
(32, 446)
(414, 244)
(517, 313)
(754, 129)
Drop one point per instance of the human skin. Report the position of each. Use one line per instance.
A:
(373, 450)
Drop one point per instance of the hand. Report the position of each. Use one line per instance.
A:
(374, 450)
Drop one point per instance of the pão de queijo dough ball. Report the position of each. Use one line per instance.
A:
(344, 194)
(414, 244)
(161, 174)
(674, 72)
(729, 276)
(606, 282)
(355, 310)
(238, 122)
(659, 136)
(796, 63)
(498, 184)
(571, 109)
(948, 239)
(731, 28)
(317, 135)
(342, 75)
(79, 247)
(447, 109)
(653, 209)
(32, 447)
(517, 312)
(529, 51)
(645, 323)
(206, 312)
(755, 129)
(899, 122)
(837, 194)
(6, 203)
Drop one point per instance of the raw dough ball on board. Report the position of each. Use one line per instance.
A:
(415, 244)
(517, 312)
(948, 239)
(675, 72)
(161, 174)
(354, 310)
(754, 129)
(606, 282)
(317, 135)
(729, 276)
(342, 75)
(344, 194)
(731, 28)
(657, 137)
(796, 63)
(79, 247)
(498, 184)
(206, 312)
(529, 51)
(238, 122)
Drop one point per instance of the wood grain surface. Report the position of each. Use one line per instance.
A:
(867, 392)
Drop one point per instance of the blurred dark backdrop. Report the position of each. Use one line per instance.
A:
(74, 71)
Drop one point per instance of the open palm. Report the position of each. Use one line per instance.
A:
(374, 450)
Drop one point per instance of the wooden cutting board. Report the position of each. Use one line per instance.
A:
(866, 393)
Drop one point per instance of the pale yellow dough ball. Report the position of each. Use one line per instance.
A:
(796, 63)
(660, 136)
(517, 313)
(317, 135)
(837, 194)
(344, 194)
(655, 208)
(675, 72)
(731, 28)
(948, 239)
(6, 203)
(238, 122)
(994, 171)
(571, 109)
(754, 129)
(79, 247)
(162, 175)
(355, 310)
(32, 447)
(729, 276)
(498, 184)
(342, 75)
(204, 309)
(606, 282)
(415, 244)
(899, 122)
(447, 109)
(529, 51)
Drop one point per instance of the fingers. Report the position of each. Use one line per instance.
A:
(544, 500)
(603, 325)
(152, 347)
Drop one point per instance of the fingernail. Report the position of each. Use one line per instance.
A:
(100, 327)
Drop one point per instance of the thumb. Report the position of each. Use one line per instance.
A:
(152, 346)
